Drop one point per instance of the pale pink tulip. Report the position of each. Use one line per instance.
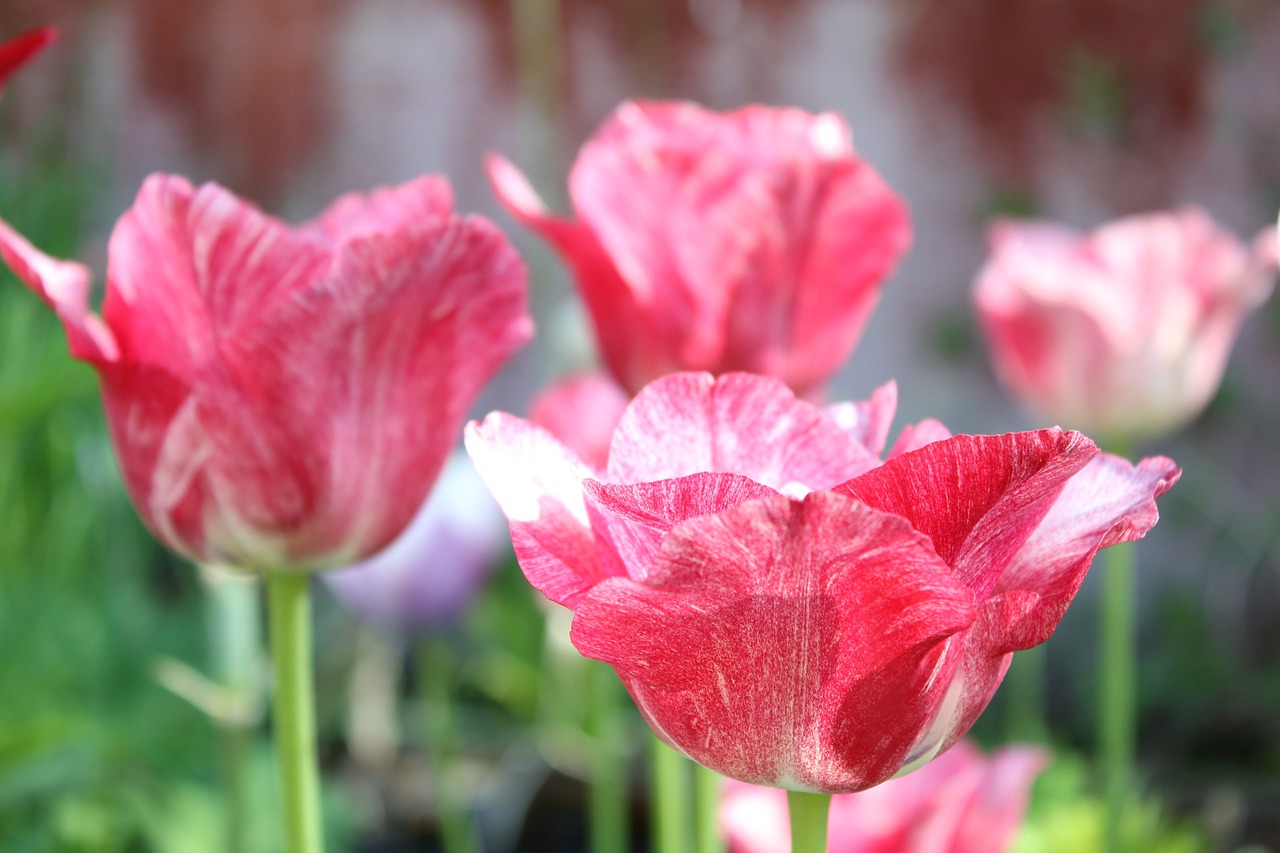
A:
(1124, 331)
(784, 607)
(961, 802)
(284, 397)
(753, 240)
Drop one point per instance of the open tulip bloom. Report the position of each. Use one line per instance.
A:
(784, 607)
(754, 240)
(281, 399)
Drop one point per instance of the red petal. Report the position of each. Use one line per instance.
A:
(690, 423)
(783, 642)
(582, 411)
(407, 207)
(19, 50)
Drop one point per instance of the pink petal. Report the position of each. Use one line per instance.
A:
(538, 485)
(868, 421)
(978, 498)
(783, 642)
(409, 206)
(631, 521)
(994, 815)
(356, 412)
(64, 287)
(17, 51)
(582, 411)
(690, 423)
(916, 436)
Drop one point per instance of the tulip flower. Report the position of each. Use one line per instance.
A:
(284, 397)
(754, 240)
(961, 802)
(582, 411)
(425, 579)
(784, 607)
(281, 399)
(1124, 331)
(16, 52)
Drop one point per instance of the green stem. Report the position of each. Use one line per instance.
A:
(671, 800)
(808, 821)
(289, 608)
(608, 797)
(1119, 690)
(435, 667)
(706, 785)
(234, 615)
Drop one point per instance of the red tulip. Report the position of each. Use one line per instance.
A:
(1125, 331)
(961, 802)
(783, 607)
(284, 397)
(753, 240)
(15, 52)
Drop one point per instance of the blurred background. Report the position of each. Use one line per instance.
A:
(1080, 110)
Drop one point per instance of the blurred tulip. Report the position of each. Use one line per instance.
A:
(1125, 331)
(753, 240)
(428, 576)
(961, 802)
(784, 608)
(15, 52)
(284, 397)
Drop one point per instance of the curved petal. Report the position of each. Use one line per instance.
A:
(64, 287)
(783, 642)
(867, 421)
(738, 424)
(978, 498)
(916, 436)
(400, 335)
(411, 206)
(538, 485)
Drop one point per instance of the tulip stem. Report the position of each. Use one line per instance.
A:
(706, 784)
(671, 800)
(608, 796)
(808, 821)
(435, 673)
(1119, 691)
(289, 609)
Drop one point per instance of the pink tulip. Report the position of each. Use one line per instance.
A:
(284, 397)
(961, 802)
(1125, 331)
(783, 607)
(753, 240)
(15, 52)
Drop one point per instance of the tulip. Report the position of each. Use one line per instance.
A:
(961, 802)
(1124, 331)
(425, 579)
(754, 240)
(284, 397)
(582, 411)
(782, 606)
(17, 51)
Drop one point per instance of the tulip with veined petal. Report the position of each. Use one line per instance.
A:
(783, 607)
(751, 240)
(284, 397)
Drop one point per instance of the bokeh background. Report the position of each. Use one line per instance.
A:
(1080, 110)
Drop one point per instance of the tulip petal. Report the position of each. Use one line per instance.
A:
(867, 421)
(64, 287)
(916, 436)
(738, 424)
(582, 411)
(783, 642)
(17, 51)
(408, 206)
(538, 485)
(978, 498)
